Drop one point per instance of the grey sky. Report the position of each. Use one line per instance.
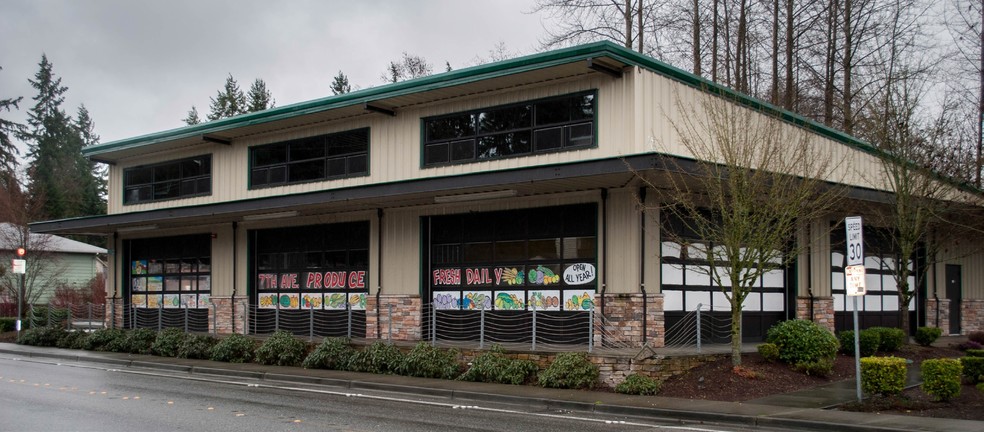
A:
(139, 66)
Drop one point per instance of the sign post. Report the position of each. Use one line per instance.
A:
(854, 284)
(19, 266)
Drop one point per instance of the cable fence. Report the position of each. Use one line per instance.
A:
(698, 327)
(313, 323)
(87, 316)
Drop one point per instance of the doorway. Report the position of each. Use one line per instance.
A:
(954, 294)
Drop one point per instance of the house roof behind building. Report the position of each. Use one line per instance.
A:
(9, 232)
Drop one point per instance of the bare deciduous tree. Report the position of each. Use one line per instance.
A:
(753, 178)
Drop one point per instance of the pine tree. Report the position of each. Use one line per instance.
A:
(92, 176)
(340, 85)
(192, 118)
(8, 152)
(259, 97)
(228, 102)
(49, 132)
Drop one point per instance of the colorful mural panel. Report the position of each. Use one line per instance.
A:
(510, 300)
(268, 301)
(335, 301)
(311, 300)
(476, 300)
(579, 274)
(545, 300)
(578, 300)
(447, 300)
(171, 301)
(357, 301)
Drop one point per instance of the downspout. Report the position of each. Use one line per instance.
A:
(379, 269)
(642, 264)
(936, 296)
(235, 274)
(116, 273)
(604, 247)
(809, 268)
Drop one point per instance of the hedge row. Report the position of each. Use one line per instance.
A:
(568, 370)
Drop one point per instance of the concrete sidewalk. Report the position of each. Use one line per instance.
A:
(782, 413)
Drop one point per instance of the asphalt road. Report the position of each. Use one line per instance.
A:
(50, 396)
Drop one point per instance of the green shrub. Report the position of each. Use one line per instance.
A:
(427, 361)
(820, 367)
(769, 352)
(41, 336)
(975, 353)
(941, 378)
(378, 358)
(883, 375)
(102, 338)
(494, 367)
(639, 385)
(868, 342)
(234, 348)
(890, 339)
(333, 353)
(72, 339)
(570, 370)
(196, 347)
(802, 341)
(281, 349)
(168, 342)
(8, 324)
(973, 368)
(139, 341)
(925, 336)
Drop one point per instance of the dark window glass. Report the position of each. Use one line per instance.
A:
(545, 249)
(311, 159)
(450, 127)
(307, 148)
(359, 258)
(436, 153)
(478, 252)
(506, 131)
(269, 154)
(514, 250)
(306, 171)
(168, 180)
(463, 150)
(580, 248)
(549, 139)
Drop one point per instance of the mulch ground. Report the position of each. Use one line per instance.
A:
(758, 378)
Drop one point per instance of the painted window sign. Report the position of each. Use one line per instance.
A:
(312, 280)
(510, 300)
(579, 274)
(547, 300)
(477, 300)
(574, 300)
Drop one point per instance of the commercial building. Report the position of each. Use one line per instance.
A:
(482, 193)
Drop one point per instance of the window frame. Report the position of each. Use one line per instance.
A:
(477, 134)
(326, 159)
(179, 180)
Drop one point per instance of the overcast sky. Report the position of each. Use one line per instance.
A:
(139, 66)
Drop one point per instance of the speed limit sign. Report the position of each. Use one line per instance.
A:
(855, 241)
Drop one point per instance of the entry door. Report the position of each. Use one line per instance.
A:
(954, 294)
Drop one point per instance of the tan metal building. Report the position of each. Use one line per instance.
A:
(420, 209)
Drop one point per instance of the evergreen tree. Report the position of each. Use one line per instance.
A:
(8, 152)
(259, 98)
(48, 134)
(340, 85)
(228, 102)
(192, 118)
(93, 176)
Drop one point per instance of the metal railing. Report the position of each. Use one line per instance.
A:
(87, 316)
(696, 328)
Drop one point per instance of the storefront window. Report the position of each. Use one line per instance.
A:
(170, 272)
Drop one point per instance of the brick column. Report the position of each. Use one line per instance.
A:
(115, 311)
(943, 305)
(399, 317)
(971, 316)
(823, 311)
(623, 320)
(220, 316)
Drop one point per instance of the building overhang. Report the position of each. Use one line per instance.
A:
(516, 183)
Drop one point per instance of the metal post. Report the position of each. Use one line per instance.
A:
(481, 329)
(349, 331)
(534, 329)
(698, 327)
(591, 329)
(160, 314)
(186, 318)
(88, 318)
(20, 311)
(68, 318)
(433, 324)
(276, 318)
(311, 324)
(857, 352)
(112, 315)
(215, 318)
(389, 319)
(246, 319)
